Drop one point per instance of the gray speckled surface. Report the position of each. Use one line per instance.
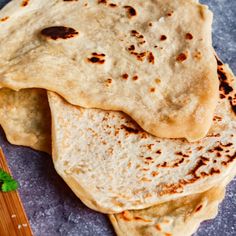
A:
(54, 210)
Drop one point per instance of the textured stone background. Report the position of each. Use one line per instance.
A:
(54, 210)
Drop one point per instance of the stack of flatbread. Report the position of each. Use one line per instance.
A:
(141, 112)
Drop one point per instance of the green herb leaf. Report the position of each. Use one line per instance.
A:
(4, 176)
(8, 183)
(8, 186)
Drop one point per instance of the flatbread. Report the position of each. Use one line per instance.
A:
(153, 60)
(112, 165)
(180, 217)
(26, 119)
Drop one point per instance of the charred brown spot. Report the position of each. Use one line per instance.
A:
(204, 159)
(198, 208)
(130, 129)
(218, 154)
(142, 54)
(131, 48)
(213, 135)
(139, 56)
(181, 57)
(144, 135)
(217, 118)
(227, 145)
(214, 171)
(151, 58)
(233, 104)
(170, 188)
(181, 154)
(149, 146)
(112, 5)
(154, 173)
(138, 36)
(150, 24)
(174, 165)
(109, 81)
(197, 55)
(219, 63)
(222, 96)
(163, 38)
(59, 32)
(170, 13)
(163, 165)
(148, 158)
(224, 86)
(142, 42)
(125, 76)
(134, 33)
(98, 54)
(189, 36)
(199, 148)
(231, 158)
(199, 164)
(96, 60)
(179, 162)
(131, 11)
(135, 78)
(70, 0)
(4, 19)
(158, 151)
(102, 1)
(25, 3)
(218, 148)
(152, 90)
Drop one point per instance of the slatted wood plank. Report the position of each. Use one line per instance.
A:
(13, 219)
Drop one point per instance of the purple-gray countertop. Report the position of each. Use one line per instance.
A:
(54, 210)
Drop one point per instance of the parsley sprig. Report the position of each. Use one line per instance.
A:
(7, 182)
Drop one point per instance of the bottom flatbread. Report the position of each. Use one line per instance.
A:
(179, 217)
(25, 118)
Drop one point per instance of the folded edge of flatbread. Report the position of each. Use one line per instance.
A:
(180, 217)
(26, 119)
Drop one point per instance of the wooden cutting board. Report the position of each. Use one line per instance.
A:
(13, 219)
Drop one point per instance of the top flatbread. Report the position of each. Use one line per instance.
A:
(150, 59)
(126, 168)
